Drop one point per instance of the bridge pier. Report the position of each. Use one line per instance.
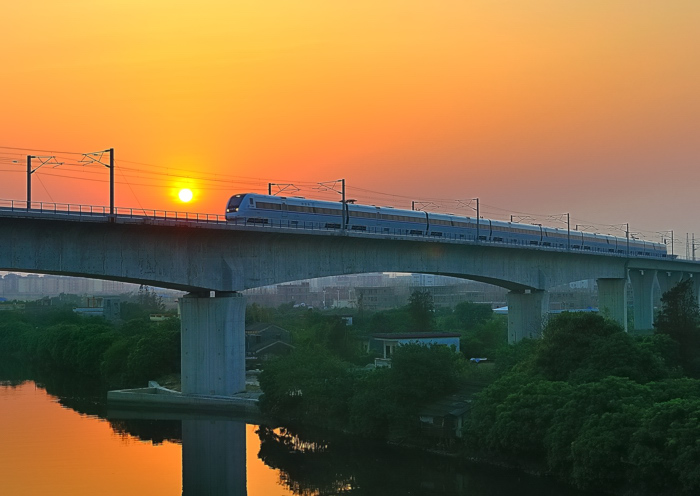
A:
(643, 290)
(668, 279)
(526, 314)
(213, 344)
(695, 284)
(612, 299)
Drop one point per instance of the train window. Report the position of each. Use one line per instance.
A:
(251, 200)
(436, 233)
(270, 206)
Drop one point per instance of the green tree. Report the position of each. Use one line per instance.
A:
(665, 450)
(469, 315)
(308, 385)
(421, 308)
(679, 318)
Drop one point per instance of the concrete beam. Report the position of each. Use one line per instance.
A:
(643, 290)
(213, 344)
(195, 257)
(526, 314)
(612, 300)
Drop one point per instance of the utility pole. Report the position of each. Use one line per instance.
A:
(344, 223)
(413, 205)
(477, 220)
(111, 181)
(43, 161)
(568, 232)
(29, 182)
(627, 233)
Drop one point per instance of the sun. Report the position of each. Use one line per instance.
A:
(185, 195)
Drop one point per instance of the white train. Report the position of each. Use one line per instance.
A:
(295, 212)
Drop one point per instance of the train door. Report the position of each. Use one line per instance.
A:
(285, 212)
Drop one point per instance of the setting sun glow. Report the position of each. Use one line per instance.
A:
(185, 195)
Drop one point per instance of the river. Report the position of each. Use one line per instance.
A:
(70, 443)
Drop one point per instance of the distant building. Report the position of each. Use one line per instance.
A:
(108, 307)
(263, 340)
(443, 419)
(386, 343)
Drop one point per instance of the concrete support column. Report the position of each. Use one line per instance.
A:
(667, 280)
(213, 344)
(526, 314)
(213, 458)
(612, 300)
(643, 290)
(696, 284)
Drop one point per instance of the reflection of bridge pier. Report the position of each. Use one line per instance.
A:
(213, 344)
(213, 458)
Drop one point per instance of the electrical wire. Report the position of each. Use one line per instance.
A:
(219, 182)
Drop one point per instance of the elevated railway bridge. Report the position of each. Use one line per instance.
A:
(201, 254)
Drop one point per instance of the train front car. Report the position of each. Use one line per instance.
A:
(236, 206)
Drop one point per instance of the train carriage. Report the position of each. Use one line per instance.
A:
(296, 212)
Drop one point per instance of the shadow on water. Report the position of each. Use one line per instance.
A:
(317, 466)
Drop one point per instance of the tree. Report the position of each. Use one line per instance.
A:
(149, 299)
(470, 315)
(422, 308)
(680, 319)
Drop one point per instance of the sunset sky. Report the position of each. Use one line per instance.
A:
(539, 106)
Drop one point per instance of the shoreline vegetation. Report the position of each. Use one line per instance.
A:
(106, 355)
(588, 404)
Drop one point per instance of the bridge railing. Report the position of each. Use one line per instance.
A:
(81, 210)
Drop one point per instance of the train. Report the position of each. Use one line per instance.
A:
(252, 209)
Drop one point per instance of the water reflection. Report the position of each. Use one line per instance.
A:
(317, 466)
(213, 458)
(218, 456)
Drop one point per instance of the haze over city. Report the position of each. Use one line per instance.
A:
(541, 107)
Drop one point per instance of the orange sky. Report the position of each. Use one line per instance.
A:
(545, 106)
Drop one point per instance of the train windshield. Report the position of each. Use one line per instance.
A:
(234, 203)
